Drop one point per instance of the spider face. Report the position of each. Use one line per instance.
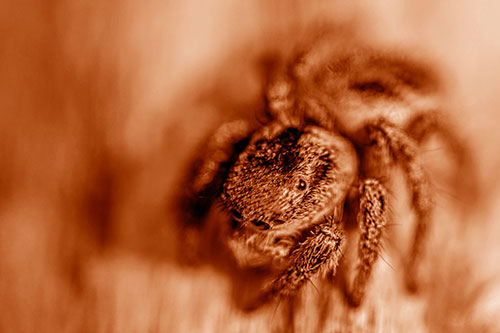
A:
(286, 180)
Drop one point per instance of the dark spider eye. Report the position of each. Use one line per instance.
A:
(261, 224)
(236, 214)
(301, 185)
(278, 221)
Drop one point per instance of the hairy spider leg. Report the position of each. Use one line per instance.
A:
(403, 150)
(319, 253)
(207, 182)
(220, 149)
(372, 217)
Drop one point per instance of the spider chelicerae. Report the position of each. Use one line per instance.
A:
(340, 118)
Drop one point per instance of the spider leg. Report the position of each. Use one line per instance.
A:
(424, 125)
(204, 184)
(207, 178)
(280, 98)
(372, 217)
(219, 150)
(403, 150)
(280, 95)
(319, 253)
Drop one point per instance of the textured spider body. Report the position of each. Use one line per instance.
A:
(284, 182)
(339, 120)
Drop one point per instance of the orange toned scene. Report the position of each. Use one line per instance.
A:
(249, 166)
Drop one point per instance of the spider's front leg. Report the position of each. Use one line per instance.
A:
(221, 149)
(205, 184)
(319, 253)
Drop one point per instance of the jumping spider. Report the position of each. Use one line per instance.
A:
(338, 122)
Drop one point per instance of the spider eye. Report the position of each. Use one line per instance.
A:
(236, 214)
(301, 185)
(261, 224)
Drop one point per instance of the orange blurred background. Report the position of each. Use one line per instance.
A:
(102, 106)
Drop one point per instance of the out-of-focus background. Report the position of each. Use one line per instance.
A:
(102, 106)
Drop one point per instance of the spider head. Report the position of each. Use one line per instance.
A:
(286, 180)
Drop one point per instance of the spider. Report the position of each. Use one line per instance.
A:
(340, 118)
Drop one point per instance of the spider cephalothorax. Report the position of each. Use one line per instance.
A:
(340, 119)
(285, 181)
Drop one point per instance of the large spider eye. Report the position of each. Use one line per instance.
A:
(261, 224)
(236, 214)
(301, 185)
